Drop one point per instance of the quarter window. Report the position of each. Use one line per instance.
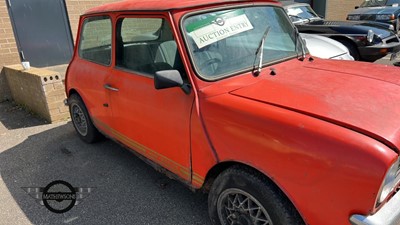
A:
(95, 43)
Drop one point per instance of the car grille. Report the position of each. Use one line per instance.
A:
(389, 40)
(367, 17)
(335, 23)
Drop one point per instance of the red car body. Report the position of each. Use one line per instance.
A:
(325, 132)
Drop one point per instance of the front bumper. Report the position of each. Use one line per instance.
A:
(389, 214)
(375, 52)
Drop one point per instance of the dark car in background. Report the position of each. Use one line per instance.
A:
(366, 41)
(387, 11)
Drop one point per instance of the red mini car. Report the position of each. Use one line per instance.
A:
(224, 96)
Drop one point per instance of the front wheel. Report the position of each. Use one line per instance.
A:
(242, 196)
(82, 121)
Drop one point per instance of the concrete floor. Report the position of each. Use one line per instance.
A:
(386, 61)
(126, 190)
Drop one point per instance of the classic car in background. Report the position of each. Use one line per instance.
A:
(325, 48)
(387, 11)
(366, 41)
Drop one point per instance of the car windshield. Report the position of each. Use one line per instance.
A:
(224, 43)
(375, 3)
(301, 13)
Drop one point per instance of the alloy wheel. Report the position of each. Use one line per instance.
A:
(237, 207)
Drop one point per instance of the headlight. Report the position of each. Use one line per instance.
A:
(370, 36)
(390, 182)
(385, 17)
(353, 17)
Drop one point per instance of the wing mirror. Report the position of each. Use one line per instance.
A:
(356, 7)
(168, 79)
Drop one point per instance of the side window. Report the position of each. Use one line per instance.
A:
(146, 45)
(95, 40)
(140, 29)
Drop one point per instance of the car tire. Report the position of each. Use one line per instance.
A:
(264, 201)
(352, 49)
(81, 120)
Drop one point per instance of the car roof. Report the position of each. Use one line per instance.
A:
(162, 5)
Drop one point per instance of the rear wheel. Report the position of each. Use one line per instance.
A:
(241, 196)
(81, 120)
(352, 49)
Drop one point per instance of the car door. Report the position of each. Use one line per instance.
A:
(153, 122)
(93, 64)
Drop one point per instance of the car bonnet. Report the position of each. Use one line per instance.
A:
(355, 27)
(323, 47)
(375, 10)
(359, 96)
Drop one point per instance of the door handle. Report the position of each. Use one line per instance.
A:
(111, 88)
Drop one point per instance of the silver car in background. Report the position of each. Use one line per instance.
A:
(326, 48)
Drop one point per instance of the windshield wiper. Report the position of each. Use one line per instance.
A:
(300, 18)
(297, 40)
(260, 50)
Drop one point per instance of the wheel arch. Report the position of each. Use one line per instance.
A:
(342, 37)
(73, 91)
(92, 133)
(350, 44)
(76, 92)
(222, 166)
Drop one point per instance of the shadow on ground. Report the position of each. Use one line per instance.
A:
(127, 191)
(13, 116)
